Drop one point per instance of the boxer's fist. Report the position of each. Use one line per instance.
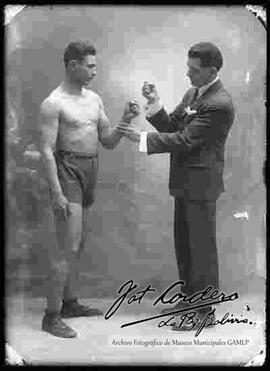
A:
(131, 110)
(149, 91)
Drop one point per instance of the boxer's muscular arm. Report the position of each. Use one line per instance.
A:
(108, 136)
(48, 131)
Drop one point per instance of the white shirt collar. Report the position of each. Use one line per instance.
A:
(203, 88)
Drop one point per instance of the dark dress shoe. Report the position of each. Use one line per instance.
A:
(55, 326)
(73, 309)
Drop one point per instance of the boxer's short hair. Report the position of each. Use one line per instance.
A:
(209, 54)
(78, 50)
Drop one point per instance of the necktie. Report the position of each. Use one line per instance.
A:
(195, 95)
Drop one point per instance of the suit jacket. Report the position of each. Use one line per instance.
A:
(196, 142)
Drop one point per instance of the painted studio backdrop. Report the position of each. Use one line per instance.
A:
(132, 217)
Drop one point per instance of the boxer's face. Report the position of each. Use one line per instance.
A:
(85, 70)
(197, 74)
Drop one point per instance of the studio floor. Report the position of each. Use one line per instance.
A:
(104, 342)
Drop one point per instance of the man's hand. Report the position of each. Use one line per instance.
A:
(61, 205)
(149, 91)
(129, 131)
(131, 110)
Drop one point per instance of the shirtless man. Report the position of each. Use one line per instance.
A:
(72, 122)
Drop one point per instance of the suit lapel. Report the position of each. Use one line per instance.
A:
(211, 90)
(192, 97)
(195, 104)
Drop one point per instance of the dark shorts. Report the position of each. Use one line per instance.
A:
(77, 174)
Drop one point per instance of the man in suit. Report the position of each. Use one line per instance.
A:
(194, 134)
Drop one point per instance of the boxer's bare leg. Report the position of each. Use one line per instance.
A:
(62, 278)
(74, 233)
(64, 263)
(58, 271)
(86, 228)
(71, 307)
(78, 227)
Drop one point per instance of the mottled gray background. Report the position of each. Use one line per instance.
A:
(132, 229)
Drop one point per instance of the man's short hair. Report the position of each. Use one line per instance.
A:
(78, 50)
(208, 53)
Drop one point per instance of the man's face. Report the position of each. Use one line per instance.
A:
(198, 75)
(85, 70)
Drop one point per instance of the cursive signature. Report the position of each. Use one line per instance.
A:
(189, 319)
(198, 296)
(136, 297)
(131, 295)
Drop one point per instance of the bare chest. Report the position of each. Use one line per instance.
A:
(79, 113)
